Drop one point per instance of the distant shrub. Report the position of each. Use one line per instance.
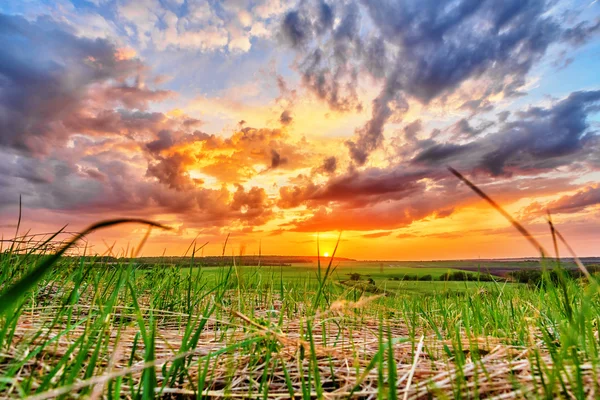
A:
(455, 276)
(354, 276)
(449, 276)
(593, 269)
(411, 277)
(536, 276)
(486, 278)
(465, 276)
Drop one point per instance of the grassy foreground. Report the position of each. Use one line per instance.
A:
(90, 329)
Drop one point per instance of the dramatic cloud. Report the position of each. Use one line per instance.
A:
(376, 235)
(365, 200)
(245, 154)
(53, 84)
(391, 208)
(327, 73)
(59, 89)
(172, 170)
(423, 50)
(115, 186)
(440, 153)
(252, 206)
(582, 32)
(329, 166)
(286, 117)
(360, 188)
(589, 196)
(538, 139)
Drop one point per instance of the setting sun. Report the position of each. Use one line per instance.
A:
(326, 254)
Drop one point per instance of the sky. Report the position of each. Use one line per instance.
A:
(280, 123)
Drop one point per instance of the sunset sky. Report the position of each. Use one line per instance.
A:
(271, 121)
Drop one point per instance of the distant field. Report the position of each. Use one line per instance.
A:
(381, 270)
(386, 278)
(341, 272)
(436, 268)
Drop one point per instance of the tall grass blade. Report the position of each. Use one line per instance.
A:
(10, 296)
(497, 207)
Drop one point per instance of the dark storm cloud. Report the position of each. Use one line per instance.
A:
(534, 141)
(164, 141)
(383, 199)
(129, 123)
(57, 88)
(440, 153)
(438, 46)
(411, 130)
(375, 57)
(46, 77)
(276, 159)
(286, 117)
(503, 116)
(327, 72)
(356, 188)
(325, 17)
(444, 46)
(582, 32)
(252, 206)
(329, 165)
(297, 28)
(172, 170)
(28, 170)
(50, 183)
(398, 210)
(369, 184)
(177, 193)
(464, 129)
(118, 189)
(537, 140)
(477, 105)
(370, 136)
(543, 138)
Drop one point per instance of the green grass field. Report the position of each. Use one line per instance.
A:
(306, 272)
(304, 275)
(104, 330)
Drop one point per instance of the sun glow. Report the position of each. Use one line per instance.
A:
(326, 254)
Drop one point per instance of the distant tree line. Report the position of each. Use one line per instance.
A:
(536, 276)
(448, 276)
(528, 276)
(409, 277)
(267, 261)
